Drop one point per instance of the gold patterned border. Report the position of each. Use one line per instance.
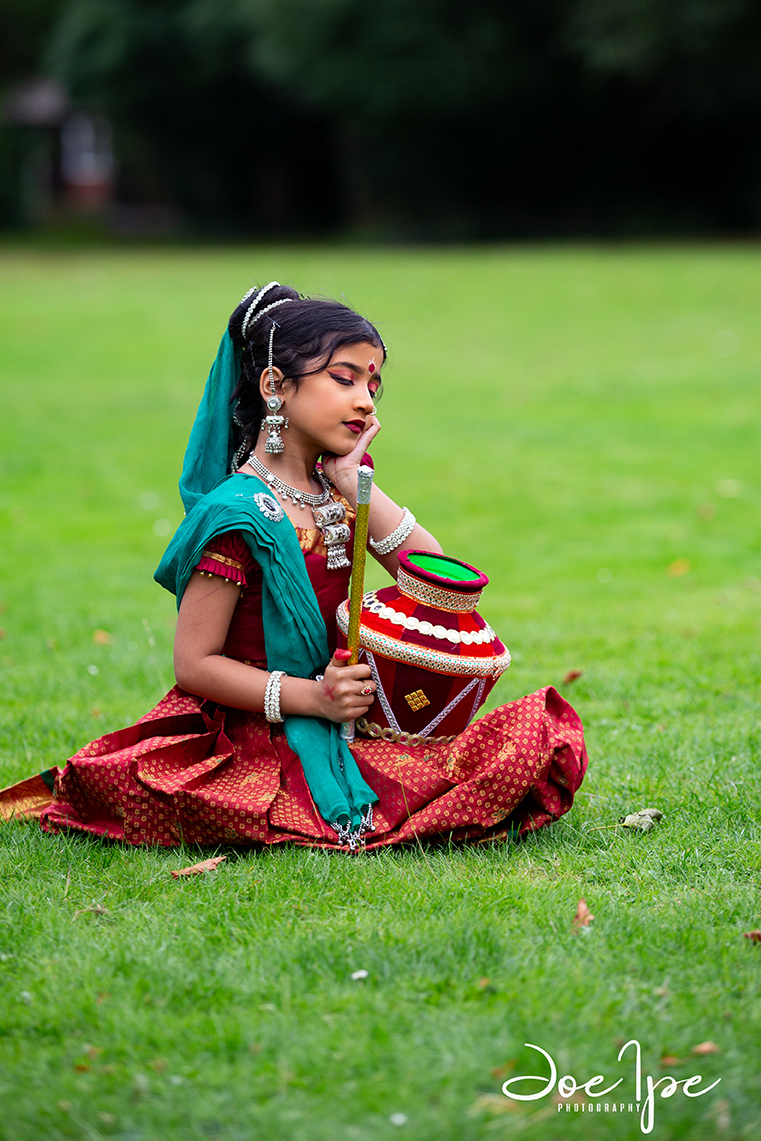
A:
(224, 560)
(419, 590)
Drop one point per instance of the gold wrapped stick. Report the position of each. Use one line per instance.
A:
(364, 490)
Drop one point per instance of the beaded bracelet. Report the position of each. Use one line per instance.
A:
(397, 536)
(272, 697)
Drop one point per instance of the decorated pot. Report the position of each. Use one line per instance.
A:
(433, 658)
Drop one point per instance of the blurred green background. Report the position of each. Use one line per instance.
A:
(381, 119)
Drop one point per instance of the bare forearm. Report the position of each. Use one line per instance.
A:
(233, 683)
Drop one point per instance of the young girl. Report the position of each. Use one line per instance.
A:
(246, 748)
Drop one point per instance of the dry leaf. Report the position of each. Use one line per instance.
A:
(678, 568)
(706, 1048)
(669, 1060)
(493, 1104)
(500, 1072)
(643, 821)
(102, 637)
(3, 632)
(583, 916)
(196, 869)
(94, 909)
(572, 675)
(754, 936)
(482, 984)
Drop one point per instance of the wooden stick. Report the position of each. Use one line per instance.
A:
(365, 477)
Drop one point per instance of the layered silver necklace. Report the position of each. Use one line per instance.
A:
(328, 515)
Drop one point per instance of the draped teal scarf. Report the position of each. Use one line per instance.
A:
(294, 631)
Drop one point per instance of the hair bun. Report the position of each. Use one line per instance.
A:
(253, 304)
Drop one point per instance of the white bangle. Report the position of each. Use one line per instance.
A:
(397, 537)
(272, 697)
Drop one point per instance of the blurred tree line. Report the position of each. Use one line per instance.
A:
(424, 119)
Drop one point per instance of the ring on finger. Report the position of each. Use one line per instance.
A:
(366, 690)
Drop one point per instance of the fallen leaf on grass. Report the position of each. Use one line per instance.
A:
(754, 936)
(102, 637)
(197, 869)
(670, 1060)
(140, 1085)
(572, 675)
(504, 1070)
(93, 909)
(583, 916)
(643, 821)
(721, 1113)
(482, 984)
(678, 568)
(493, 1104)
(706, 1048)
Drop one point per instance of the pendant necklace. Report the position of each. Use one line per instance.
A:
(328, 515)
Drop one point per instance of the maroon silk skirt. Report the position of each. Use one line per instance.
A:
(197, 772)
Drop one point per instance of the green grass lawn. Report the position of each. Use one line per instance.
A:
(582, 424)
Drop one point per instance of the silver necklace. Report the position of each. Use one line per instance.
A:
(300, 499)
(329, 516)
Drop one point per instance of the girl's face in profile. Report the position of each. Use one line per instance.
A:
(333, 407)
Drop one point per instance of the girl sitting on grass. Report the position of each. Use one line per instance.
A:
(246, 748)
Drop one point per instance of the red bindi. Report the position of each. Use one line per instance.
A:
(371, 366)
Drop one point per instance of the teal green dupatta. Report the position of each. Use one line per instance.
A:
(294, 631)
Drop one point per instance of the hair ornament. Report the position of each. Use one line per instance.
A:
(266, 309)
(269, 356)
(252, 307)
(247, 294)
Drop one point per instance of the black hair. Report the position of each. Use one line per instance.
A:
(309, 330)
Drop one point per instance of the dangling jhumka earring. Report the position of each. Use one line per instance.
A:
(273, 422)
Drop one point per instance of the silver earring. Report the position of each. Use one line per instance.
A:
(273, 422)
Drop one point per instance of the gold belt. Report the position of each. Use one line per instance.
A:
(372, 729)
